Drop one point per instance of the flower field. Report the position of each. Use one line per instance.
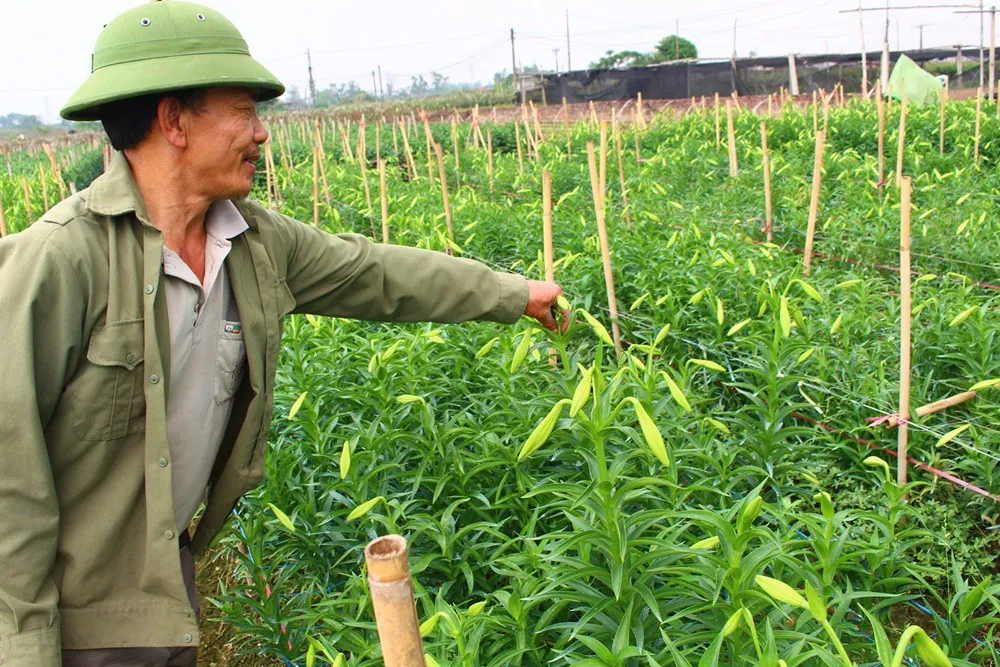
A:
(712, 493)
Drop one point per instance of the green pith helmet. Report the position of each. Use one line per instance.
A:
(164, 46)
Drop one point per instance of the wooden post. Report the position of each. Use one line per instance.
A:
(768, 219)
(392, 599)
(734, 169)
(718, 123)
(602, 232)
(901, 142)
(621, 172)
(880, 104)
(444, 191)
(979, 114)
(904, 337)
(944, 101)
(384, 196)
(814, 199)
(489, 155)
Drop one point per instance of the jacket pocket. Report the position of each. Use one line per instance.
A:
(229, 360)
(109, 401)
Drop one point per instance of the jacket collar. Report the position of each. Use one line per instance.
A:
(115, 192)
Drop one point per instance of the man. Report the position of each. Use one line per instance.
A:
(141, 324)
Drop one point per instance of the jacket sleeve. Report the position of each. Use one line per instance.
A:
(43, 304)
(346, 275)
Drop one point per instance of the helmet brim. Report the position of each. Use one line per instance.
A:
(144, 77)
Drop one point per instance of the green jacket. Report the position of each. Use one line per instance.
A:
(88, 544)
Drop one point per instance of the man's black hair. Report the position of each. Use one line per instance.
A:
(127, 122)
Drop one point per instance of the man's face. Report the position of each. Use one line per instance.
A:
(224, 142)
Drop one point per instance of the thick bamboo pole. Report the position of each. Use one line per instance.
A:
(901, 142)
(444, 191)
(768, 214)
(734, 168)
(392, 599)
(602, 232)
(603, 162)
(904, 337)
(814, 199)
(384, 196)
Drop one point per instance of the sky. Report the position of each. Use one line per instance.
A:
(466, 41)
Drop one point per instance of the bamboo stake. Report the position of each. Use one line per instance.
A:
(937, 406)
(395, 141)
(322, 163)
(3, 220)
(815, 110)
(768, 219)
(363, 167)
(378, 141)
(880, 104)
(268, 174)
(602, 232)
(45, 188)
(384, 196)
(411, 164)
(27, 199)
(454, 144)
(718, 123)
(621, 172)
(901, 143)
(539, 137)
(904, 338)
(429, 140)
(603, 169)
(520, 154)
(944, 100)
(444, 191)
(734, 169)
(489, 155)
(569, 143)
(814, 199)
(315, 167)
(979, 113)
(547, 252)
(392, 599)
(639, 113)
(593, 114)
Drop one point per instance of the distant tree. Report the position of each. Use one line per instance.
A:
(20, 121)
(673, 47)
(621, 59)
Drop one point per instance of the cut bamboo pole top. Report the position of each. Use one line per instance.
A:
(387, 559)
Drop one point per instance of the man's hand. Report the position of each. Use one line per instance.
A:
(542, 298)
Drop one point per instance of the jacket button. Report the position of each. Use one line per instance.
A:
(163, 462)
(188, 638)
(129, 358)
(153, 379)
(168, 534)
(149, 289)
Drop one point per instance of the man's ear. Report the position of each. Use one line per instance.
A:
(172, 122)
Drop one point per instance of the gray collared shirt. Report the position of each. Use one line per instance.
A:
(207, 359)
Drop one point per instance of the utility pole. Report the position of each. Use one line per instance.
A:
(921, 29)
(864, 54)
(513, 64)
(312, 83)
(993, 49)
(375, 86)
(569, 63)
(734, 56)
(556, 52)
(381, 90)
(677, 39)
